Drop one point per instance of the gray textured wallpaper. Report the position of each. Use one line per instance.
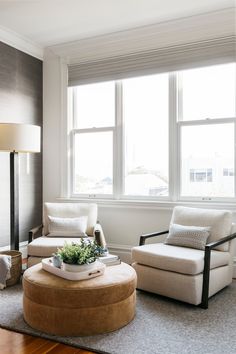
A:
(20, 102)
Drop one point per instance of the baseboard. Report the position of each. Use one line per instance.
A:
(23, 249)
(123, 251)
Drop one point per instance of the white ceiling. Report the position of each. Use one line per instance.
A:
(50, 22)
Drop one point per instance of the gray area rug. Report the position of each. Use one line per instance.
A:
(160, 326)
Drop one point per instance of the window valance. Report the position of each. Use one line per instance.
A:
(166, 59)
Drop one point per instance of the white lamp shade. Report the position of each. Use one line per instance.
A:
(19, 137)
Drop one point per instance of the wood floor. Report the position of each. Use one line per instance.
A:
(17, 343)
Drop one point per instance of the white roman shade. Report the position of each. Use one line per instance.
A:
(184, 43)
(165, 59)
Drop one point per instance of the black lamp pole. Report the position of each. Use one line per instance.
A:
(14, 200)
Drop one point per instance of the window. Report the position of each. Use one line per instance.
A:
(145, 114)
(93, 167)
(206, 130)
(94, 105)
(206, 145)
(92, 139)
(166, 136)
(204, 92)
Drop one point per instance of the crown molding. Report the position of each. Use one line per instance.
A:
(21, 43)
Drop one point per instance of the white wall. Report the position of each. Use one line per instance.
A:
(51, 126)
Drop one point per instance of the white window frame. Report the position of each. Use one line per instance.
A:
(175, 124)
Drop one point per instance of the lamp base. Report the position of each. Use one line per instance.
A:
(14, 201)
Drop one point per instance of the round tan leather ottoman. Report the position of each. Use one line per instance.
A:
(71, 308)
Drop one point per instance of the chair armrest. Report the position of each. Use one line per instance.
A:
(221, 241)
(206, 270)
(33, 232)
(146, 236)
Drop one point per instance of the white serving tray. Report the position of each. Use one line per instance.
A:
(98, 269)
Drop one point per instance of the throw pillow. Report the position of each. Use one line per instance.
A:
(67, 227)
(188, 236)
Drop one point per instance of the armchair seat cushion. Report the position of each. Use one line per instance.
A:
(177, 259)
(44, 246)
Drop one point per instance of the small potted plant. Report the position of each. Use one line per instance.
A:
(79, 257)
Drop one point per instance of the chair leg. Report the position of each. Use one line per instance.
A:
(204, 304)
(205, 290)
(206, 279)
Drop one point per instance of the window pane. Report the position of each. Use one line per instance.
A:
(94, 105)
(146, 135)
(93, 169)
(207, 160)
(209, 92)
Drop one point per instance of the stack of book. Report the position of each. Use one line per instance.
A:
(110, 259)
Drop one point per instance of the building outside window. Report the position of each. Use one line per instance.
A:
(228, 172)
(201, 175)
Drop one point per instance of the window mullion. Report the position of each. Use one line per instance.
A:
(174, 157)
(72, 162)
(235, 159)
(179, 93)
(118, 155)
(75, 109)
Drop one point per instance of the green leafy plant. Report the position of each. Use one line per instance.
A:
(84, 252)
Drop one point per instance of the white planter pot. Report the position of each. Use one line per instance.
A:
(78, 268)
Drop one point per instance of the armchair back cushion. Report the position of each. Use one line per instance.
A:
(71, 210)
(220, 222)
(188, 236)
(73, 227)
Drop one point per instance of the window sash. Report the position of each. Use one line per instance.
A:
(181, 124)
(75, 132)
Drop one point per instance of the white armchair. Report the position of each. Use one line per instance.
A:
(48, 243)
(183, 273)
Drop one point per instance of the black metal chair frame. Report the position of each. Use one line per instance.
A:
(207, 259)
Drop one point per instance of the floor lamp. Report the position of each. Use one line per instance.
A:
(16, 138)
